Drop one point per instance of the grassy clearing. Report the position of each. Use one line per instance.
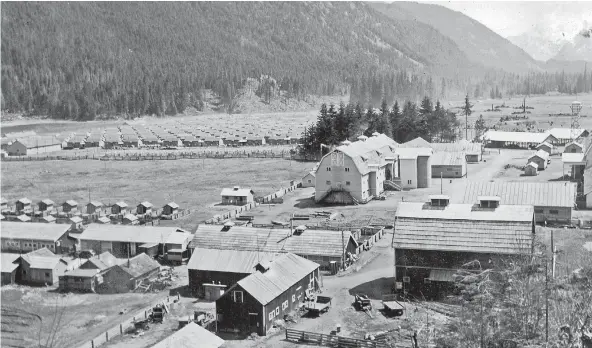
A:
(193, 184)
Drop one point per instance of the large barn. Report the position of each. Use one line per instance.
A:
(319, 246)
(552, 201)
(434, 239)
(516, 139)
(212, 271)
(274, 290)
(33, 145)
(20, 237)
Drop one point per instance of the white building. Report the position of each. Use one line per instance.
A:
(357, 171)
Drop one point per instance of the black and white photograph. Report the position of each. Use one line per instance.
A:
(266, 174)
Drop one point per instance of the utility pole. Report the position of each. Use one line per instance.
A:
(553, 257)
(482, 333)
(441, 183)
(343, 251)
(546, 301)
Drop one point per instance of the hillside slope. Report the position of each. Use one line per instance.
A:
(479, 43)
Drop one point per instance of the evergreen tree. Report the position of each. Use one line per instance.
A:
(395, 119)
(467, 111)
(426, 106)
(479, 127)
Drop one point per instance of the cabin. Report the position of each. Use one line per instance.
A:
(449, 165)
(531, 169)
(545, 146)
(573, 147)
(540, 158)
(41, 267)
(119, 208)
(144, 208)
(9, 266)
(170, 208)
(94, 207)
(70, 206)
(130, 219)
(76, 224)
(237, 196)
(309, 180)
(276, 289)
(46, 205)
(433, 240)
(80, 280)
(23, 205)
(177, 247)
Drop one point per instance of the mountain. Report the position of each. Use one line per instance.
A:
(481, 45)
(538, 45)
(80, 59)
(579, 49)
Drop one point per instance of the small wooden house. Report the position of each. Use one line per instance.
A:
(309, 179)
(130, 219)
(94, 207)
(48, 219)
(531, 169)
(170, 208)
(46, 205)
(573, 147)
(545, 146)
(23, 205)
(103, 220)
(70, 206)
(540, 158)
(144, 208)
(76, 223)
(9, 265)
(23, 218)
(237, 196)
(119, 208)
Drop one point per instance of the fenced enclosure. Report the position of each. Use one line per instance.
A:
(319, 339)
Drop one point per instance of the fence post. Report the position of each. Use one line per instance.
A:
(92, 344)
(106, 335)
(121, 328)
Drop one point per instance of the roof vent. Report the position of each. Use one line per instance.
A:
(299, 230)
(262, 266)
(439, 200)
(489, 201)
(362, 138)
(236, 188)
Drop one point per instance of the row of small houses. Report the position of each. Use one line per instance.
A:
(25, 206)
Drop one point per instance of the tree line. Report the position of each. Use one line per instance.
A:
(336, 124)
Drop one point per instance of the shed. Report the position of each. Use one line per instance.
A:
(130, 219)
(93, 207)
(69, 206)
(103, 220)
(237, 196)
(144, 208)
(170, 208)
(256, 301)
(23, 218)
(540, 158)
(545, 146)
(191, 335)
(449, 165)
(41, 269)
(102, 261)
(119, 208)
(552, 201)
(46, 205)
(128, 275)
(16, 148)
(48, 219)
(19, 237)
(221, 269)
(531, 169)
(80, 280)
(9, 266)
(76, 223)
(23, 205)
(309, 179)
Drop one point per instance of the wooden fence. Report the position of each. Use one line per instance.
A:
(331, 340)
(284, 154)
(125, 325)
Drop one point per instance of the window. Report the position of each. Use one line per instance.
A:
(553, 211)
(328, 182)
(237, 296)
(328, 169)
(271, 314)
(409, 182)
(347, 169)
(284, 305)
(293, 298)
(347, 183)
(406, 279)
(47, 275)
(277, 310)
(309, 181)
(538, 211)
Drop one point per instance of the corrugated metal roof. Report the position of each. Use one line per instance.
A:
(467, 212)
(448, 159)
(33, 231)
(234, 261)
(127, 233)
(6, 262)
(311, 242)
(539, 194)
(190, 336)
(284, 271)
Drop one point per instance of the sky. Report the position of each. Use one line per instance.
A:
(510, 18)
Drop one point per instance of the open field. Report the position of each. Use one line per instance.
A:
(192, 184)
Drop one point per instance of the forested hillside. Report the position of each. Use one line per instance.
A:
(76, 60)
(82, 59)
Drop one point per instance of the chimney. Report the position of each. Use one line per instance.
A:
(439, 200)
(362, 138)
(489, 201)
(375, 134)
(236, 188)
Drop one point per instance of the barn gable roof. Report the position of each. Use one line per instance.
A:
(372, 150)
(233, 261)
(127, 233)
(33, 231)
(139, 265)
